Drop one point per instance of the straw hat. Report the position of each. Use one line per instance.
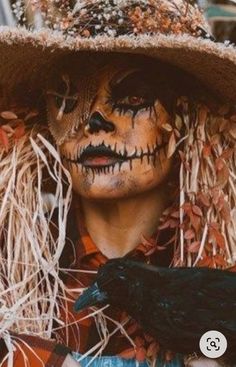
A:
(173, 31)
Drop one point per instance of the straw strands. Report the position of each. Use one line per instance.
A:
(29, 255)
(32, 294)
(203, 215)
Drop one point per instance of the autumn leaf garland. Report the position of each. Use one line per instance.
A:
(204, 210)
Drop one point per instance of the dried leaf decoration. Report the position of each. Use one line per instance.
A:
(13, 127)
(167, 127)
(196, 210)
(206, 151)
(194, 247)
(189, 234)
(216, 236)
(4, 141)
(206, 235)
(8, 115)
(171, 145)
(19, 130)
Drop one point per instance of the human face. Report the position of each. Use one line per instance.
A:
(109, 129)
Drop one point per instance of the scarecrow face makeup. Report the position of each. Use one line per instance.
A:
(109, 129)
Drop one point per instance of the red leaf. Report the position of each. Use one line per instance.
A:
(150, 252)
(8, 115)
(219, 260)
(195, 220)
(141, 354)
(175, 214)
(148, 242)
(227, 153)
(202, 115)
(189, 234)
(177, 133)
(174, 223)
(153, 350)
(132, 328)
(218, 237)
(206, 261)
(167, 211)
(232, 268)
(203, 197)
(194, 247)
(223, 176)
(206, 151)
(219, 164)
(215, 225)
(225, 212)
(19, 131)
(164, 225)
(187, 208)
(139, 342)
(196, 210)
(215, 196)
(148, 338)
(4, 139)
(127, 353)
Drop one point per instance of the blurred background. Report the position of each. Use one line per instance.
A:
(221, 15)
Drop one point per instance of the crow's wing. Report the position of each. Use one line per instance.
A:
(179, 305)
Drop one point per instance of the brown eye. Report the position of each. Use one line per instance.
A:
(133, 100)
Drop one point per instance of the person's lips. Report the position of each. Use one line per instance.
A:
(99, 161)
(99, 156)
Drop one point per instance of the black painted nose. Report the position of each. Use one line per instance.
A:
(98, 123)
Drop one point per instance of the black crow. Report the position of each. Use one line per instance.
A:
(174, 305)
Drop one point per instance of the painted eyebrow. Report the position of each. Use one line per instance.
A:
(121, 75)
(135, 82)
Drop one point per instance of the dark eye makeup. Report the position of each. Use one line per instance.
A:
(140, 90)
(133, 93)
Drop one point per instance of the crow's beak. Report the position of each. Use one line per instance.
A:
(90, 297)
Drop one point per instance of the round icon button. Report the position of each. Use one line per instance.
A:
(213, 344)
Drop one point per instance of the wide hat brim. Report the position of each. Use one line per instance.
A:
(28, 57)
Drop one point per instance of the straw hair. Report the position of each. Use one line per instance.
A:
(203, 215)
(30, 286)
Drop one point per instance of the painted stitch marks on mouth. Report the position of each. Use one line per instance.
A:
(104, 158)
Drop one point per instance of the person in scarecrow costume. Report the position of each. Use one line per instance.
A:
(117, 138)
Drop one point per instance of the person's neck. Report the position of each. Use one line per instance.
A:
(116, 226)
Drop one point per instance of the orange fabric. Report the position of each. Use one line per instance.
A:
(36, 352)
